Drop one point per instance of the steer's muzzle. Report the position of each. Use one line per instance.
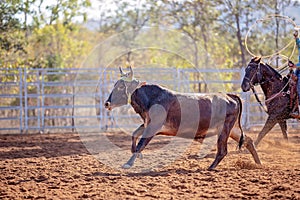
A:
(107, 105)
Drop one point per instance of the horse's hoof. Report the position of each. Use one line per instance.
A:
(140, 155)
(126, 166)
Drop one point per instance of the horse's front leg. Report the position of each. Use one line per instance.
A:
(135, 135)
(270, 123)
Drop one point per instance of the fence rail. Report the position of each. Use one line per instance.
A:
(52, 100)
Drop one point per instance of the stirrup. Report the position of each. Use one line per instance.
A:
(294, 115)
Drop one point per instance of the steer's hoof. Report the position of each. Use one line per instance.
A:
(126, 166)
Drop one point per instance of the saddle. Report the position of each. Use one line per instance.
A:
(293, 96)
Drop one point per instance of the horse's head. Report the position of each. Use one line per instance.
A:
(258, 73)
(123, 88)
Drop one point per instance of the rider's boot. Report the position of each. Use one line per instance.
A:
(296, 114)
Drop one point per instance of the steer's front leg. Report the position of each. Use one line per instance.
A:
(135, 135)
(156, 118)
(142, 144)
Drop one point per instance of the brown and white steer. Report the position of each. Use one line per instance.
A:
(188, 115)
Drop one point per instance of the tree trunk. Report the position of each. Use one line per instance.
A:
(239, 36)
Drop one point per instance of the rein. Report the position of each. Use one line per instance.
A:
(278, 94)
(258, 100)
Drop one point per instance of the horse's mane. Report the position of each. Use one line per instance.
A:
(275, 72)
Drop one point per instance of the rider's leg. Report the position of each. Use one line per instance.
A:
(294, 97)
(298, 86)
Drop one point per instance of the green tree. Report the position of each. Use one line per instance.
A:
(12, 37)
(129, 16)
(59, 46)
(236, 17)
(48, 13)
(282, 29)
(25, 24)
(197, 20)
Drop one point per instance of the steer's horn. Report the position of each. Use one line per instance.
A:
(130, 74)
(121, 71)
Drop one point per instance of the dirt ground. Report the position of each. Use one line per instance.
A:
(58, 166)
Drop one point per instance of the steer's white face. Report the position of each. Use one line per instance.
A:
(122, 90)
(118, 96)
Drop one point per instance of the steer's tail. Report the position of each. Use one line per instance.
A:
(240, 105)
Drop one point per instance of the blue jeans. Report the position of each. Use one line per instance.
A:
(298, 89)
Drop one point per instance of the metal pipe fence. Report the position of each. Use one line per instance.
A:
(68, 100)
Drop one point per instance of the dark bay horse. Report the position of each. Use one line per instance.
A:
(277, 94)
(187, 115)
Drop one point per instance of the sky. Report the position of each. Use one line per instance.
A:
(294, 13)
(98, 5)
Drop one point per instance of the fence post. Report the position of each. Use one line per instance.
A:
(21, 100)
(38, 100)
(73, 79)
(178, 79)
(25, 101)
(245, 105)
(101, 115)
(43, 102)
(244, 113)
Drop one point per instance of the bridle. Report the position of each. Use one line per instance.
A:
(259, 77)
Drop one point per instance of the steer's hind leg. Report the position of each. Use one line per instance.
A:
(248, 142)
(222, 141)
(222, 149)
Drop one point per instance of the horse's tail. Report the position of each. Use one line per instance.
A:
(240, 105)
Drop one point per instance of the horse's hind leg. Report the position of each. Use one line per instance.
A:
(270, 123)
(283, 127)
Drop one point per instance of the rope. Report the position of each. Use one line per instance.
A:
(277, 94)
(285, 57)
(271, 98)
(277, 53)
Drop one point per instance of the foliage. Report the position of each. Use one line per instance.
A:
(43, 34)
(44, 41)
(12, 38)
(57, 46)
